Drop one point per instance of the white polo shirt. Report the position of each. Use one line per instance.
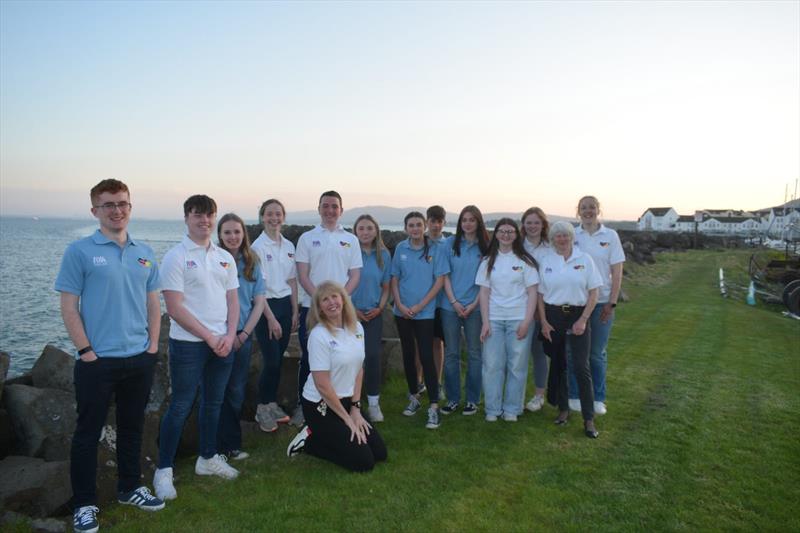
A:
(204, 276)
(508, 283)
(277, 264)
(568, 282)
(341, 353)
(539, 251)
(329, 255)
(606, 249)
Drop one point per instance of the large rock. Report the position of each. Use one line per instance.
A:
(5, 362)
(6, 434)
(33, 486)
(54, 370)
(39, 414)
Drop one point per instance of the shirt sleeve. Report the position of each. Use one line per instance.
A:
(441, 265)
(70, 276)
(259, 287)
(319, 350)
(301, 253)
(387, 267)
(593, 279)
(396, 263)
(154, 279)
(355, 254)
(617, 254)
(233, 275)
(171, 271)
(292, 255)
(480, 277)
(531, 275)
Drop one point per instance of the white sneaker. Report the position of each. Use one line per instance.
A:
(162, 483)
(508, 417)
(536, 404)
(491, 418)
(298, 442)
(215, 466)
(600, 408)
(574, 405)
(374, 413)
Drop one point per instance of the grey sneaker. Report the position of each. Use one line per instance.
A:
(433, 418)
(451, 407)
(297, 420)
(278, 414)
(374, 413)
(508, 417)
(266, 422)
(412, 407)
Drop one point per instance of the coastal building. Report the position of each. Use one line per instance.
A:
(777, 222)
(658, 219)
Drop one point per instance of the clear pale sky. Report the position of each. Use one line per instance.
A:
(505, 105)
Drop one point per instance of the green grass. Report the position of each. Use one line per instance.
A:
(702, 434)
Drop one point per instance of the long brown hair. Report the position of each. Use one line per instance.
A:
(517, 247)
(480, 231)
(249, 257)
(377, 244)
(545, 223)
(316, 316)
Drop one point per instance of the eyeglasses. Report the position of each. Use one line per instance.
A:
(111, 206)
(506, 232)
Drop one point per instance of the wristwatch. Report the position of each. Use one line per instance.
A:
(356, 404)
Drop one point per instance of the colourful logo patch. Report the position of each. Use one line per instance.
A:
(145, 262)
(579, 267)
(516, 268)
(333, 343)
(359, 336)
(291, 255)
(191, 264)
(344, 244)
(224, 264)
(429, 258)
(605, 244)
(548, 270)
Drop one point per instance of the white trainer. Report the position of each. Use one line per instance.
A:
(215, 466)
(600, 408)
(536, 404)
(574, 405)
(374, 413)
(508, 417)
(298, 442)
(491, 418)
(162, 483)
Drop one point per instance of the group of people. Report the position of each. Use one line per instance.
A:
(535, 290)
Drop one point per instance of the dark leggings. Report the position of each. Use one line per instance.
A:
(373, 332)
(418, 334)
(579, 347)
(272, 350)
(330, 439)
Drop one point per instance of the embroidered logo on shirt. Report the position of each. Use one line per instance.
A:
(316, 244)
(344, 244)
(333, 343)
(579, 267)
(605, 244)
(269, 257)
(145, 262)
(359, 336)
(403, 257)
(516, 268)
(548, 270)
(99, 260)
(291, 255)
(191, 264)
(224, 264)
(429, 258)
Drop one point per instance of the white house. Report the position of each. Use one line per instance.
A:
(658, 219)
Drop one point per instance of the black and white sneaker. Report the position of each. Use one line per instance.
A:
(412, 407)
(298, 442)
(141, 498)
(84, 519)
(469, 409)
(433, 418)
(451, 407)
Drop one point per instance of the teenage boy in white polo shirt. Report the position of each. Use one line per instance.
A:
(199, 283)
(109, 301)
(325, 253)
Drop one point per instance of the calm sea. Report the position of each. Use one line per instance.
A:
(30, 256)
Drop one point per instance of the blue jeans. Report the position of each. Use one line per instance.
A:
(451, 327)
(193, 365)
(505, 359)
(229, 432)
(598, 358)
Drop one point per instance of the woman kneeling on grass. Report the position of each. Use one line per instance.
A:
(569, 284)
(335, 429)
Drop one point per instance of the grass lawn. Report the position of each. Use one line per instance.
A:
(702, 434)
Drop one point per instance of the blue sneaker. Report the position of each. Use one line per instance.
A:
(142, 499)
(84, 520)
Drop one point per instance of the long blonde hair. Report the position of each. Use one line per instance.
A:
(316, 316)
(377, 242)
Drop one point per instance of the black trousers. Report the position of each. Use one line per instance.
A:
(418, 334)
(373, 333)
(562, 318)
(330, 439)
(128, 379)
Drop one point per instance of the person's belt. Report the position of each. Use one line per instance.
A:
(566, 309)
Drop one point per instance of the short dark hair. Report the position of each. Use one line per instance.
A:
(436, 212)
(110, 185)
(332, 194)
(199, 203)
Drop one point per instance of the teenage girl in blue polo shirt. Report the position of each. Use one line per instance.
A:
(233, 238)
(418, 269)
(369, 299)
(459, 309)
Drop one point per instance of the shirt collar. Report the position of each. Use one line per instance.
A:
(338, 227)
(601, 229)
(99, 238)
(189, 244)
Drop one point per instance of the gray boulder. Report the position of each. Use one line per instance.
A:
(32, 486)
(54, 370)
(39, 414)
(6, 434)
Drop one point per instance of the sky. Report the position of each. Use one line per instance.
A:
(500, 104)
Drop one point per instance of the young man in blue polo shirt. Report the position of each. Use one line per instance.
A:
(109, 302)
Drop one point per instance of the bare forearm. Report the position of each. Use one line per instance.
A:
(232, 298)
(259, 305)
(353, 277)
(305, 280)
(616, 282)
(73, 321)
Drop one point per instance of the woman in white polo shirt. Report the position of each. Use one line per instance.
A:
(276, 253)
(605, 248)
(336, 431)
(569, 285)
(508, 281)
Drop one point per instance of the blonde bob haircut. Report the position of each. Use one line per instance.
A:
(316, 316)
(561, 228)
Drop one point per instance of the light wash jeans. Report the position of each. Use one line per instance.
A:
(451, 326)
(598, 358)
(505, 360)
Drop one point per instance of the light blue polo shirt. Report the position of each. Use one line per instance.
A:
(368, 293)
(463, 269)
(247, 290)
(112, 284)
(416, 274)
